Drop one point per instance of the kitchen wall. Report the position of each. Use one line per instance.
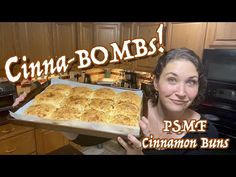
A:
(40, 41)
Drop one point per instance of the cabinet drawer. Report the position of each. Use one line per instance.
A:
(21, 144)
(9, 130)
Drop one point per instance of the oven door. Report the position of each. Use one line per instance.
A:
(225, 122)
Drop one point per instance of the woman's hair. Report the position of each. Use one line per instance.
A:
(189, 55)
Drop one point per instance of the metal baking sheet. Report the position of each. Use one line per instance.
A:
(76, 126)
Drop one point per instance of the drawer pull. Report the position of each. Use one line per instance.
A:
(10, 150)
(8, 130)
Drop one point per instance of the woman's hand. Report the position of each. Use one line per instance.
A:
(134, 146)
(19, 99)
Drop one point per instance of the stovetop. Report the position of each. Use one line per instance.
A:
(224, 120)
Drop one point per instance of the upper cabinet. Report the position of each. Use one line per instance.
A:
(39, 41)
(125, 34)
(64, 39)
(221, 35)
(187, 35)
(104, 35)
(145, 31)
(85, 36)
(8, 45)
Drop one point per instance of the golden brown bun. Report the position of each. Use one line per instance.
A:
(79, 103)
(82, 92)
(104, 93)
(124, 120)
(92, 115)
(66, 113)
(125, 108)
(41, 110)
(128, 96)
(102, 105)
(54, 98)
(62, 88)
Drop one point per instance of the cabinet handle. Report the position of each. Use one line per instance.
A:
(10, 150)
(8, 130)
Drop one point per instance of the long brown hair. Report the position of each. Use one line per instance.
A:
(189, 55)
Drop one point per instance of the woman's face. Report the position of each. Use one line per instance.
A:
(178, 85)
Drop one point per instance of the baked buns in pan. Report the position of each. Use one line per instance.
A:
(63, 102)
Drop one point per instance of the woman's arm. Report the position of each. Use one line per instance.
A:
(19, 99)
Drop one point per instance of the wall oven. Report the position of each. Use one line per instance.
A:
(220, 99)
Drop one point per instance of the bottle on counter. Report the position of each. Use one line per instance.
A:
(122, 79)
(87, 78)
(107, 73)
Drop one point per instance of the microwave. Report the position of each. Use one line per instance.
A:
(8, 94)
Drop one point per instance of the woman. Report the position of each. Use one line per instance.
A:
(179, 85)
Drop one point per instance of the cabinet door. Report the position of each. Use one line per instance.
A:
(21, 144)
(39, 41)
(221, 35)
(187, 35)
(8, 46)
(104, 34)
(85, 37)
(47, 140)
(64, 39)
(125, 34)
(145, 31)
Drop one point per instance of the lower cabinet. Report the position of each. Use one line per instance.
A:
(20, 144)
(48, 140)
(21, 140)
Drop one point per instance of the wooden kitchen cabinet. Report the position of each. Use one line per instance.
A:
(187, 35)
(104, 35)
(8, 44)
(85, 36)
(125, 34)
(22, 144)
(15, 140)
(146, 31)
(38, 40)
(9, 130)
(33, 40)
(48, 140)
(221, 35)
(64, 39)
